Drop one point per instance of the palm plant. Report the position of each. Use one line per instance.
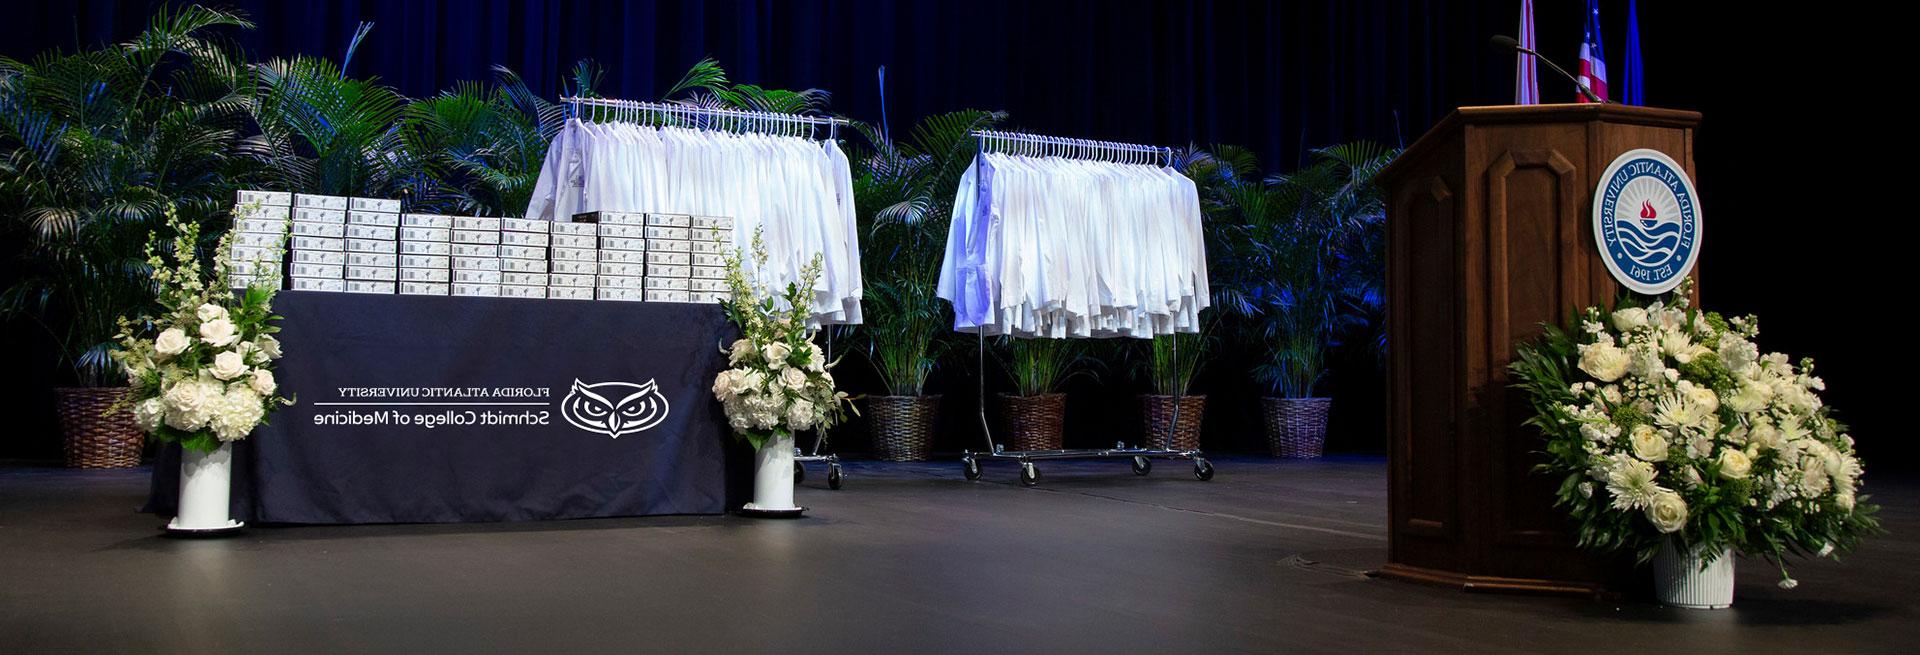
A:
(324, 132)
(478, 148)
(1043, 366)
(94, 146)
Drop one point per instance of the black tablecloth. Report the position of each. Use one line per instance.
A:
(441, 409)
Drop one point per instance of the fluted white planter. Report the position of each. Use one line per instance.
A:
(1679, 581)
(206, 484)
(773, 480)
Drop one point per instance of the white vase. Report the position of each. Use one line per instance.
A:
(206, 484)
(773, 478)
(1679, 581)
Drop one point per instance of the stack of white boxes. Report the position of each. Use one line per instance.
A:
(476, 256)
(623, 256)
(712, 237)
(523, 257)
(260, 225)
(669, 257)
(319, 243)
(426, 249)
(373, 259)
(574, 256)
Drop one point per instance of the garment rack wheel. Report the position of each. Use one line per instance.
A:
(833, 476)
(1202, 469)
(971, 467)
(799, 473)
(1029, 474)
(1142, 465)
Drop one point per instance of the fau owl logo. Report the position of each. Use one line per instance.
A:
(614, 408)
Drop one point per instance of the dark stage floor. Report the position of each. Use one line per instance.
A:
(908, 559)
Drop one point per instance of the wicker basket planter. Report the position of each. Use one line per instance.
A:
(95, 437)
(1035, 422)
(1159, 411)
(1296, 427)
(903, 426)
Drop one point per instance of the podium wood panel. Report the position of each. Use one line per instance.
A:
(1489, 236)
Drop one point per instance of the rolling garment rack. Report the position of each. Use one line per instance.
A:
(736, 120)
(1141, 455)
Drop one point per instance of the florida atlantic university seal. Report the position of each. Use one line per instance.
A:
(1646, 221)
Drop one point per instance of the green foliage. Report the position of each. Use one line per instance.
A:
(324, 132)
(1043, 366)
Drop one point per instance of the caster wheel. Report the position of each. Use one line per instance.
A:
(799, 473)
(1029, 475)
(833, 477)
(1202, 470)
(972, 468)
(1142, 465)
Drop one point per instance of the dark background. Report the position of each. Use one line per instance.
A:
(1796, 156)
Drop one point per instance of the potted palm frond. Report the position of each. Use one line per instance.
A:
(322, 131)
(1036, 411)
(904, 192)
(94, 146)
(1171, 364)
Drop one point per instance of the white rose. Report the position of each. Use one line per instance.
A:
(210, 312)
(1649, 443)
(228, 365)
(1734, 465)
(171, 342)
(218, 332)
(1667, 512)
(723, 386)
(263, 382)
(1737, 353)
(741, 350)
(793, 379)
(268, 345)
(1625, 320)
(1604, 361)
(1750, 397)
(1704, 397)
(816, 360)
(190, 403)
(776, 354)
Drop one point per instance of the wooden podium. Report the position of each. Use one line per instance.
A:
(1489, 235)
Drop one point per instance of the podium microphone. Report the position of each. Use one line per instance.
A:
(1506, 44)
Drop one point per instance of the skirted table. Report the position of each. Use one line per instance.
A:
(430, 409)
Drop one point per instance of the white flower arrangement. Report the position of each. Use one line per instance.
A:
(779, 381)
(204, 376)
(1666, 422)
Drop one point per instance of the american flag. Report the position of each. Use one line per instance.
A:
(1526, 83)
(1593, 62)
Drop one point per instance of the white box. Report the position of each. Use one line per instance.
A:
(319, 243)
(622, 270)
(620, 231)
(476, 264)
(627, 295)
(514, 291)
(424, 288)
(574, 254)
(431, 221)
(266, 198)
(708, 247)
(670, 220)
(666, 296)
(569, 280)
(328, 230)
(708, 272)
(616, 243)
(373, 246)
(475, 250)
(318, 215)
(706, 259)
(663, 232)
(439, 248)
(388, 260)
(708, 297)
(525, 239)
(255, 253)
(245, 281)
(703, 284)
(719, 222)
(569, 293)
(623, 256)
(281, 212)
(578, 229)
(668, 257)
(380, 273)
(434, 275)
(524, 225)
(523, 252)
(480, 290)
(426, 261)
(488, 237)
(383, 205)
(332, 257)
(572, 241)
(376, 219)
(523, 266)
(667, 283)
(369, 286)
(625, 218)
(372, 232)
(257, 240)
(667, 270)
(317, 270)
(572, 267)
(482, 223)
(672, 245)
(425, 233)
(611, 282)
(524, 279)
(251, 269)
(260, 225)
(318, 284)
(320, 202)
(476, 276)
